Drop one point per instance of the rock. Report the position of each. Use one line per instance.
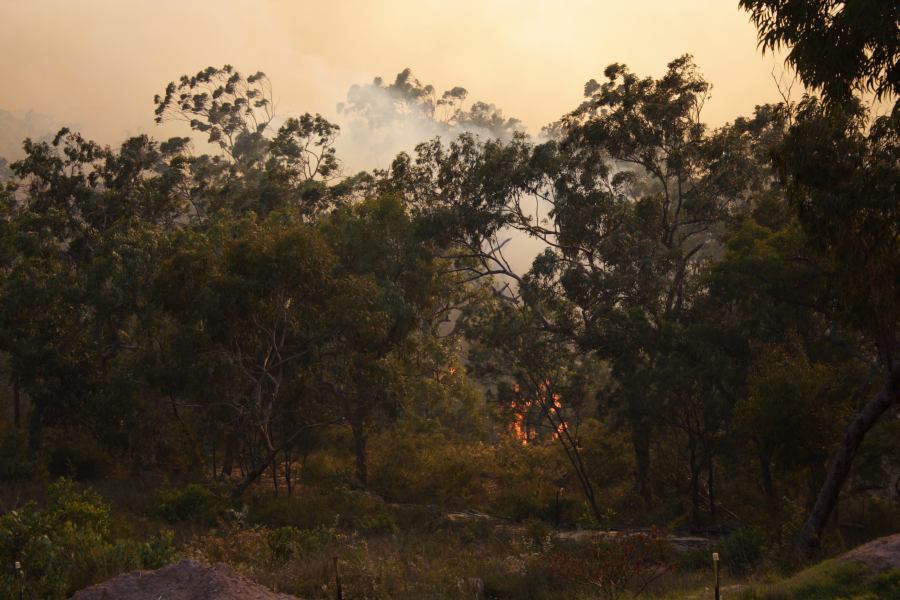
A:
(186, 580)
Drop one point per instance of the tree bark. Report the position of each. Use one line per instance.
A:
(811, 532)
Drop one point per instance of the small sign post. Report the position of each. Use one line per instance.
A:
(339, 592)
(715, 558)
(20, 575)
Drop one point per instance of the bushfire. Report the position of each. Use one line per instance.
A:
(548, 406)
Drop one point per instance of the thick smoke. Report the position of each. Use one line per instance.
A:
(379, 121)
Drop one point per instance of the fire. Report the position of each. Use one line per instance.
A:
(521, 406)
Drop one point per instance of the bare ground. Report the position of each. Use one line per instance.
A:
(186, 580)
(881, 554)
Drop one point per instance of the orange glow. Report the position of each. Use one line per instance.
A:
(522, 406)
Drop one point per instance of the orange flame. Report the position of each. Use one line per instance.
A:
(522, 406)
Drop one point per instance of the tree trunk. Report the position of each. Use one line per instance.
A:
(228, 459)
(695, 481)
(254, 474)
(817, 467)
(17, 404)
(640, 439)
(710, 485)
(359, 447)
(811, 532)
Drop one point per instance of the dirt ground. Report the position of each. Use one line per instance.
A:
(186, 580)
(880, 554)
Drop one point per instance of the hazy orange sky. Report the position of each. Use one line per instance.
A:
(98, 63)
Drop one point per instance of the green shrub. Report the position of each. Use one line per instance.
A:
(67, 545)
(196, 504)
(433, 470)
(286, 543)
(378, 524)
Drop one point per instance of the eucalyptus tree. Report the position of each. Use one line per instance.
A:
(840, 165)
(380, 248)
(631, 202)
(260, 168)
(82, 229)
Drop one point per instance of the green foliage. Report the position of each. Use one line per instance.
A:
(195, 503)
(69, 545)
(286, 543)
(433, 470)
(836, 46)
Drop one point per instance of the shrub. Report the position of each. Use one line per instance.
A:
(377, 524)
(196, 504)
(68, 545)
(433, 470)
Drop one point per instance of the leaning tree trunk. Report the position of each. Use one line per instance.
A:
(808, 539)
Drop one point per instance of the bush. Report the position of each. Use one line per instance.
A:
(196, 504)
(433, 470)
(68, 545)
(377, 524)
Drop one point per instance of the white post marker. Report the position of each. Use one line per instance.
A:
(715, 558)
